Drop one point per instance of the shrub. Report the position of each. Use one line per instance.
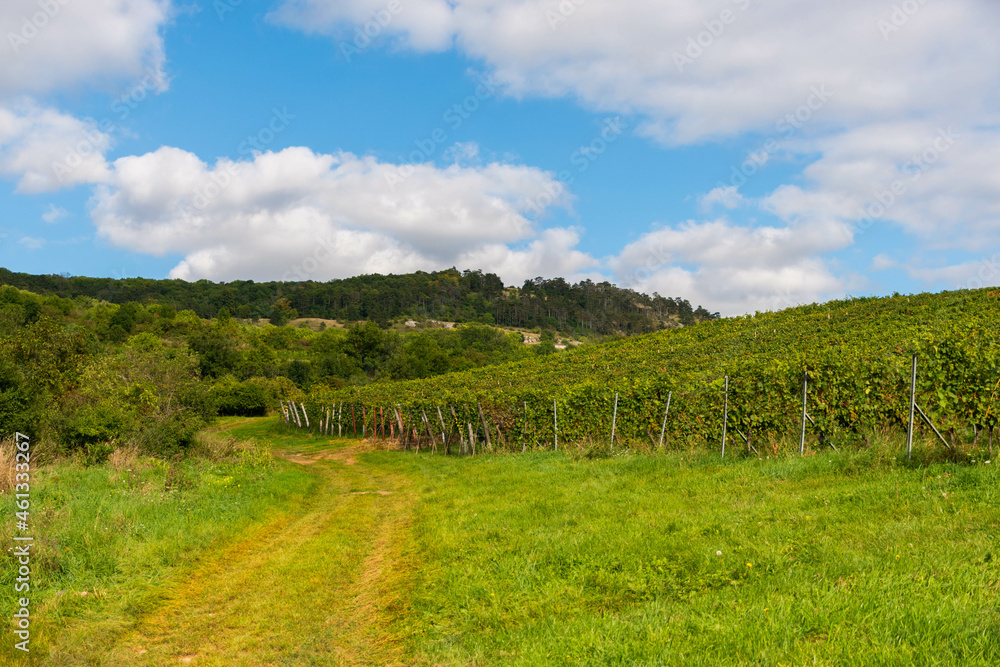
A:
(240, 399)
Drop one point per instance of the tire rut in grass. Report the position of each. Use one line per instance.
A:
(323, 587)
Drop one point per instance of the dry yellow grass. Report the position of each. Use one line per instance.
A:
(6, 464)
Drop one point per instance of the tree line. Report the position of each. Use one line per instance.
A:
(89, 376)
(584, 308)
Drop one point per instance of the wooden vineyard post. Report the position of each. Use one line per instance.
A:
(399, 420)
(913, 408)
(295, 411)
(663, 429)
(555, 424)
(340, 413)
(444, 437)
(284, 413)
(725, 418)
(305, 414)
(472, 438)
(458, 427)
(805, 412)
(614, 423)
(430, 433)
(486, 429)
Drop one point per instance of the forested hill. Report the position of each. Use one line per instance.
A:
(468, 296)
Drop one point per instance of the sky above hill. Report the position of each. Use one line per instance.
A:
(743, 154)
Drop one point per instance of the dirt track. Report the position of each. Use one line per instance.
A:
(314, 588)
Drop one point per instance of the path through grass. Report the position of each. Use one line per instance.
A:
(323, 583)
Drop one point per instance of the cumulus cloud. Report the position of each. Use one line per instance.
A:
(973, 274)
(426, 25)
(299, 215)
(54, 213)
(733, 268)
(703, 68)
(53, 45)
(936, 182)
(47, 150)
(727, 196)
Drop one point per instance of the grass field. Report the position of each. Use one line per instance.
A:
(332, 555)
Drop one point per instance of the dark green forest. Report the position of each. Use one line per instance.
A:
(585, 308)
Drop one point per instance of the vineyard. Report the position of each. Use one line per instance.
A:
(740, 375)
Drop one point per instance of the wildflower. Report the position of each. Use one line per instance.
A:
(718, 553)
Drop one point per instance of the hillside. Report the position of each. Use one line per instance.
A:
(857, 353)
(469, 296)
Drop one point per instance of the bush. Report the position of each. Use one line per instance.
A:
(20, 403)
(240, 399)
(145, 396)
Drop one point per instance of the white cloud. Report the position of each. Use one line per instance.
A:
(47, 150)
(426, 25)
(54, 213)
(734, 269)
(973, 274)
(53, 45)
(727, 196)
(752, 61)
(937, 183)
(296, 214)
(553, 254)
(882, 262)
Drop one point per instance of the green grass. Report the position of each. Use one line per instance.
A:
(111, 544)
(668, 560)
(538, 559)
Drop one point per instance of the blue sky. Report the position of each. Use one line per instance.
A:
(582, 138)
